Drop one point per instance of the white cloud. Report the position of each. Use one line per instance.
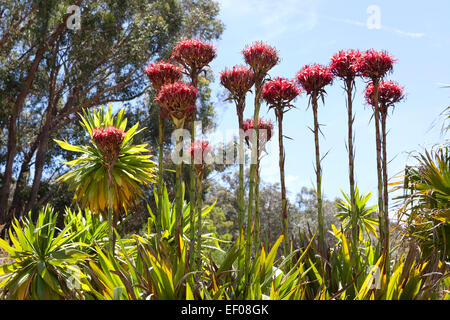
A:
(385, 28)
(274, 17)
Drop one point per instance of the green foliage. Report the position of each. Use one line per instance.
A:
(425, 208)
(165, 224)
(46, 260)
(366, 224)
(90, 177)
(90, 229)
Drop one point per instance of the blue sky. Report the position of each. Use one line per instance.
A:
(307, 31)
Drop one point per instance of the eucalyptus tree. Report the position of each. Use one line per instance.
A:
(50, 70)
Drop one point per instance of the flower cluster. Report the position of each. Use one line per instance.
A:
(345, 64)
(177, 100)
(389, 93)
(161, 73)
(199, 150)
(109, 141)
(314, 77)
(260, 57)
(375, 64)
(238, 81)
(193, 54)
(280, 92)
(265, 129)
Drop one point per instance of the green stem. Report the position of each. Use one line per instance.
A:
(199, 219)
(241, 212)
(192, 173)
(385, 188)
(111, 235)
(179, 191)
(192, 187)
(253, 167)
(257, 212)
(284, 214)
(354, 217)
(318, 174)
(111, 230)
(379, 168)
(161, 169)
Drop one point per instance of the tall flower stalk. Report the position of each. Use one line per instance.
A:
(199, 151)
(389, 93)
(278, 94)
(193, 55)
(344, 65)
(159, 74)
(313, 78)
(375, 65)
(257, 142)
(261, 58)
(179, 103)
(238, 81)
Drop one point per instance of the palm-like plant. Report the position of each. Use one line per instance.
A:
(426, 208)
(109, 174)
(361, 212)
(91, 229)
(45, 262)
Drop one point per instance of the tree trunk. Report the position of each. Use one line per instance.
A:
(18, 106)
(12, 135)
(16, 208)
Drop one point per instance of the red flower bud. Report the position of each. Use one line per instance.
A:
(344, 64)
(238, 81)
(265, 129)
(109, 141)
(177, 99)
(193, 53)
(389, 93)
(161, 73)
(375, 64)
(280, 92)
(260, 57)
(314, 77)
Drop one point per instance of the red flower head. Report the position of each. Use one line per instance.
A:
(260, 57)
(344, 64)
(238, 81)
(280, 92)
(109, 141)
(265, 129)
(389, 93)
(161, 73)
(193, 54)
(314, 77)
(177, 99)
(199, 150)
(375, 64)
